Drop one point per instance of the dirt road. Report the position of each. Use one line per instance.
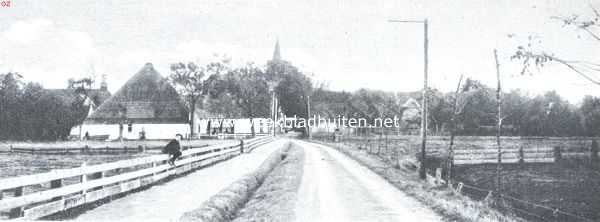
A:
(337, 188)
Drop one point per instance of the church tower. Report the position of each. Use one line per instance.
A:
(103, 84)
(277, 53)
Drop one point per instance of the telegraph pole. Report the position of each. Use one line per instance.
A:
(308, 117)
(422, 172)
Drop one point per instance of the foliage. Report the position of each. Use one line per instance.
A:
(190, 80)
(29, 112)
(536, 58)
(293, 87)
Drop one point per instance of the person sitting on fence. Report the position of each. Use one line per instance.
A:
(173, 148)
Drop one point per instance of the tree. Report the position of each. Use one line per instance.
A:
(292, 89)
(530, 57)
(590, 111)
(251, 92)
(189, 81)
(292, 92)
(10, 91)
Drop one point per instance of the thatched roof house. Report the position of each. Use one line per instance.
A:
(146, 98)
(147, 106)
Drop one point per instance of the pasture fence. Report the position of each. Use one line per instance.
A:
(38, 195)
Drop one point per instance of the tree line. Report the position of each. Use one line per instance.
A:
(245, 91)
(543, 115)
(30, 112)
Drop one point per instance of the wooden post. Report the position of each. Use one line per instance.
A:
(308, 117)
(521, 156)
(18, 211)
(422, 172)
(455, 113)
(83, 178)
(438, 175)
(499, 122)
(594, 153)
(557, 154)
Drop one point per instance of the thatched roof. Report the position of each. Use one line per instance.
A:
(146, 98)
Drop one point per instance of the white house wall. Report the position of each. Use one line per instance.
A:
(240, 125)
(153, 131)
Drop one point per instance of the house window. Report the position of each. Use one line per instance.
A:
(129, 127)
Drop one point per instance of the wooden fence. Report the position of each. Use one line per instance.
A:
(478, 150)
(91, 150)
(38, 195)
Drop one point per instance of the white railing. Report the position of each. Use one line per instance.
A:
(39, 195)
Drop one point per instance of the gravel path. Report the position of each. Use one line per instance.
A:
(337, 188)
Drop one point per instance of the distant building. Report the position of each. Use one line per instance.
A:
(92, 98)
(411, 117)
(411, 110)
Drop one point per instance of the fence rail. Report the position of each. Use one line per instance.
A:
(478, 149)
(59, 190)
(90, 150)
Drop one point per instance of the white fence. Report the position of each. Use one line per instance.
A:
(38, 195)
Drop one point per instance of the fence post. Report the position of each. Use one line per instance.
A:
(83, 178)
(459, 187)
(18, 211)
(11, 148)
(557, 154)
(241, 146)
(521, 156)
(594, 150)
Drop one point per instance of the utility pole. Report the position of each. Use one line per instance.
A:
(308, 117)
(499, 123)
(273, 106)
(422, 172)
(275, 113)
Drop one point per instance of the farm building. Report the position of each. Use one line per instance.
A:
(92, 98)
(148, 107)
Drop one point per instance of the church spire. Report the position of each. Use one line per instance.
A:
(103, 84)
(277, 53)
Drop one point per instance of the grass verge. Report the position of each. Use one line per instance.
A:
(224, 205)
(275, 199)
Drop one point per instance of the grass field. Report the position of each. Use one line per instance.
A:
(16, 164)
(13, 164)
(567, 186)
(5, 145)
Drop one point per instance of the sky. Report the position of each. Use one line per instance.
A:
(346, 44)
